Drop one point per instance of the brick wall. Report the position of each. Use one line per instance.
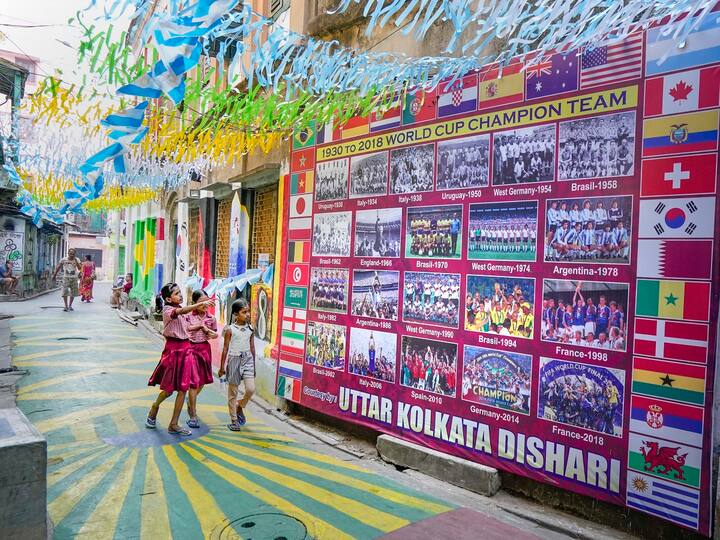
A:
(264, 224)
(222, 242)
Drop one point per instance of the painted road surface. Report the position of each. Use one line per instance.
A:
(110, 477)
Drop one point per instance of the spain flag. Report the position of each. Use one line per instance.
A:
(501, 86)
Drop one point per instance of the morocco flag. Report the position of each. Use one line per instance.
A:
(681, 300)
(682, 92)
(671, 340)
(679, 175)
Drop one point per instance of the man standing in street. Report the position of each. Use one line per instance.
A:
(70, 267)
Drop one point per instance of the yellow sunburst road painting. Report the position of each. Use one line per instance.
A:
(109, 477)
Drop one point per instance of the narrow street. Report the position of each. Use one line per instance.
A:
(109, 477)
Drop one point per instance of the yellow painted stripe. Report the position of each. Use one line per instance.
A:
(79, 417)
(58, 448)
(129, 394)
(79, 375)
(63, 471)
(147, 360)
(155, 522)
(64, 504)
(83, 432)
(69, 453)
(361, 512)
(206, 509)
(102, 523)
(270, 437)
(320, 528)
(298, 451)
(343, 480)
(96, 338)
(87, 348)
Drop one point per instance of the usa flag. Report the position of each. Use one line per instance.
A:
(620, 61)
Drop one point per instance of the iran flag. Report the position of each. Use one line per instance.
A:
(671, 340)
(682, 92)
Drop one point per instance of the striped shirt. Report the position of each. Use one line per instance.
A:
(173, 323)
(195, 319)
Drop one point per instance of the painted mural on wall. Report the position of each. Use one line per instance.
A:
(522, 271)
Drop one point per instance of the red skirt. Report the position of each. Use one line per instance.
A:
(203, 359)
(177, 370)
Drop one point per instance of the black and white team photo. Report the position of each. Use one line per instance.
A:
(368, 175)
(331, 180)
(524, 155)
(597, 147)
(464, 163)
(411, 169)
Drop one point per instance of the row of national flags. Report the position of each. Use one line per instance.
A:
(676, 238)
(295, 298)
(672, 87)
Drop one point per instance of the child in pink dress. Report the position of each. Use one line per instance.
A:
(201, 326)
(176, 371)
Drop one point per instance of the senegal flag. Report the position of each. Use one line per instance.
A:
(681, 300)
(669, 380)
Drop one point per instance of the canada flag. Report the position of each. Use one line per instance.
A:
(682, 92)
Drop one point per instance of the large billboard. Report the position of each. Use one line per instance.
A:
(521, 272)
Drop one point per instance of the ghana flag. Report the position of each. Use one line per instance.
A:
(681, 300)
(669, 380)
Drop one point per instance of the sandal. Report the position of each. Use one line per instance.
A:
(179, 431)
(193, 423)
(151, 423)
(234, 426)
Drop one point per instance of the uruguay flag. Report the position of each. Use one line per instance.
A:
(701, 48)
(458, 97)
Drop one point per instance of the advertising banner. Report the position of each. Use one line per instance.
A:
(523, 271)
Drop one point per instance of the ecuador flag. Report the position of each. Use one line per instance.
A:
(669, 380)
(681, 300)
(681, 133)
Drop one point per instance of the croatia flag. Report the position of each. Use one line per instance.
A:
(458, 97)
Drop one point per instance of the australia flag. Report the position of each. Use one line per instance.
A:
(556, 74)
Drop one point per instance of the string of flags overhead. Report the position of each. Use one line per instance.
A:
(300, 70)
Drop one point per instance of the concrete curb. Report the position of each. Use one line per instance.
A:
(459, 472)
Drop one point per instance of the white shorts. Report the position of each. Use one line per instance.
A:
(578, 328)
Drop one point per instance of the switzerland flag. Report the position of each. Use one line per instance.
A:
(679, 175)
